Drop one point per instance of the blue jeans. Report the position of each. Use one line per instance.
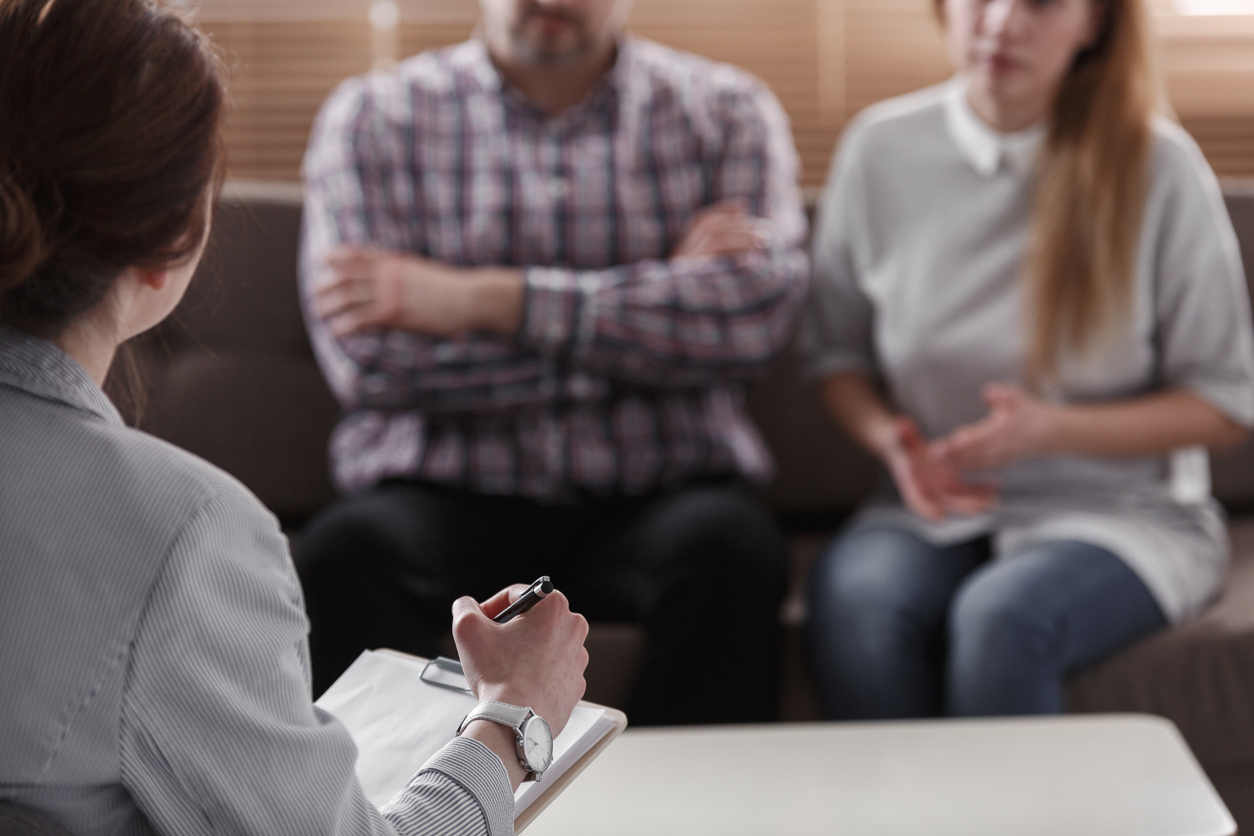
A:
(901, 628)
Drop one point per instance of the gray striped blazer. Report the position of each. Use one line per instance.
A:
(154, 671)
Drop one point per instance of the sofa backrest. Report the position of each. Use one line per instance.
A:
(231, 375)
(1233, 472)
(233, 379)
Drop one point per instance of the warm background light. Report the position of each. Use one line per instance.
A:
(826, 59)
(1215, 7)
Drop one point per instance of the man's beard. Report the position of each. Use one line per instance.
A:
(543, 54)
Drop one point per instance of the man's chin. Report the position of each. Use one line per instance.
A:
(549, 53)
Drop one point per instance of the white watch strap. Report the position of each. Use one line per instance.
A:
(498, 712)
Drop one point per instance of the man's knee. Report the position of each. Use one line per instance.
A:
(341, 531)
(372, 532)
(724, 530)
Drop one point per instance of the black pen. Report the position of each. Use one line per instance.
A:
(534, 595)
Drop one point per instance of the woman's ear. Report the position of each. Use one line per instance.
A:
(155, 279)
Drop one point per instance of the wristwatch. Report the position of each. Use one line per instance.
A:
(534, 739)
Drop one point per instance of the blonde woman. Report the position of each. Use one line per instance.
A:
(1029, 304)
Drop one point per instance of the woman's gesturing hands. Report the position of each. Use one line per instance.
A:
(1018, 426)
(933, 477)
(929, 485)
(942, 477)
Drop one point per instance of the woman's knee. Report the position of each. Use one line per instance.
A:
(874, 571)
(992, 620)
(1004, 652)
(872, 597)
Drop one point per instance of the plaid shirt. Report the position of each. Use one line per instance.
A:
(628, 373)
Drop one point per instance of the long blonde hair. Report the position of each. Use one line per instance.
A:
(1090, 190)
(1091, 184)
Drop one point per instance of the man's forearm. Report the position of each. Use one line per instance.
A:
(678, 323)
(496, 297)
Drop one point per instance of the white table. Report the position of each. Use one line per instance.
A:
(1130, 775)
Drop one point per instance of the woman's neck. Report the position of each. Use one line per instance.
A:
(91, 345)
(1006, 116)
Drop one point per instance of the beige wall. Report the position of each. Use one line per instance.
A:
(826, 59)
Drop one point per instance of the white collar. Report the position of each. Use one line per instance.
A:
(983, 147)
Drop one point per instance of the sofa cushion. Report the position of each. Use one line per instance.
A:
(1200, 675)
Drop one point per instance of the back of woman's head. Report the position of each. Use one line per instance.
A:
(109, 149)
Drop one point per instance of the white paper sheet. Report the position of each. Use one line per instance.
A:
(398, 722)
(584, 728)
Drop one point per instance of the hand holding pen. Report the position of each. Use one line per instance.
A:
(533, 595)
(538, 662)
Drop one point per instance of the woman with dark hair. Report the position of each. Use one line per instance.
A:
(154, 656)
(1029, 304)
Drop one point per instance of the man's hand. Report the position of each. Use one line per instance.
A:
(537, 660)
(723, 229)
(1018, 426)
(930, 486)
(366, 288)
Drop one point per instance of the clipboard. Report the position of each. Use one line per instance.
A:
(445, 674)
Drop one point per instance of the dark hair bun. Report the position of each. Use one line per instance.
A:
(109, 151)
(21, 234)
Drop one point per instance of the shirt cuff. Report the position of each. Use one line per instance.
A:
(558, 308)
(1233, 398)
(823, 365)
(478, 770)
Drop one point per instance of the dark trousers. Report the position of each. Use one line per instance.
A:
(702, 569)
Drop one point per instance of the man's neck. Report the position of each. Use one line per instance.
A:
(558, 88)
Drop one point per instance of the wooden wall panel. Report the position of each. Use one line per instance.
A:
(785, 56)
(826, 60)
(280, 75)
(892, 47)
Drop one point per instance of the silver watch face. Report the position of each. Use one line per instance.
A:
(537, 744)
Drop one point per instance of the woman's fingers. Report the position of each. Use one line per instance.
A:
(975, 446)
(913, 488)
(971, 499)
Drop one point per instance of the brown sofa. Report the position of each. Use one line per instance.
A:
(232, 378)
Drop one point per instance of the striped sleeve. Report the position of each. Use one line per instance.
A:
(462, 789)
(218, 731)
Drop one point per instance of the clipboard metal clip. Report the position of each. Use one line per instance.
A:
(448, 674)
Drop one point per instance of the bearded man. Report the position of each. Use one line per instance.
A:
(539, 268)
